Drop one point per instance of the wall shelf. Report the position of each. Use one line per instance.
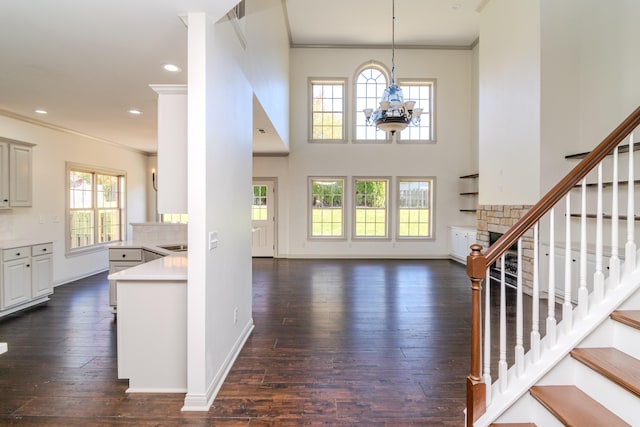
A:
(469, 190)
(604, 216)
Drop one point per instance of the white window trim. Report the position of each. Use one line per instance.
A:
(388, 206)
(345, 109)
(345, 206)
(99, 170)
(432, 208)
(432, 108)
(354, 128)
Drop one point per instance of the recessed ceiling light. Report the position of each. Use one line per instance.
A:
(135, 112)
(39, 111)
(172, 68)
(261, 130)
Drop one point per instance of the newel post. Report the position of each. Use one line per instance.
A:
(476, 389)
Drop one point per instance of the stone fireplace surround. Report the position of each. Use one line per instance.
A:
(498, 219)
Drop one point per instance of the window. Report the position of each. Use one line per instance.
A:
(95, 207)
(174, 218)
(370, 85)
(327, 213)
(259, 205)
(327, 110)
(370, 207)
(422, 93)
(414, 207)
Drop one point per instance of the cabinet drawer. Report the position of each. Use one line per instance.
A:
(16, 253)
(119, 254)
(43, 249)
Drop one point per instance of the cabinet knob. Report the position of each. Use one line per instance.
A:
(6, 200)
(18, 254)
(124, 255)
(28, 265)
(44, 250)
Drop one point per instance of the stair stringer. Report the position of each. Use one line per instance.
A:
(598, 313)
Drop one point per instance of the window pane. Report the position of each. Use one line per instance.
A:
(259, 207)
(326, 209)
(421, 93)
(81, 228)
(370, 85)
(370, 208)
(326, 110)
(414, 213)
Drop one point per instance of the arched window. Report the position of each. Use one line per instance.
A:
(371, 82)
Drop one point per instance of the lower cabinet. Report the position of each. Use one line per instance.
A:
(460, 239)
(27, 276)
(121, 259)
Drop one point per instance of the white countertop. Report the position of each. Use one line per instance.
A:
(3, 347)
(8, 244)
(170, 268)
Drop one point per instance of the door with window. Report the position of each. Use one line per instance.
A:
(263, 218)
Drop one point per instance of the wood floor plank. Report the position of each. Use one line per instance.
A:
(336, 342)
(575, 408)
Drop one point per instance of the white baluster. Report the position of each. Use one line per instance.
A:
(519, 350)
(614, 261)
(551, 312)
(567, 308)
(583, 292)
(502, 363)
(630, 247)
(487, 338)
(598, 276)
(535, 303)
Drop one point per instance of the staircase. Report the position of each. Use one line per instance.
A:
(582, 369)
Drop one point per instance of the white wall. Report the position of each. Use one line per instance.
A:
(445, 160)
(589, 77)
(509, 125)
(268, 69)
(45, 220)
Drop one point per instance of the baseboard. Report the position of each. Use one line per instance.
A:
(84, 276)
(202, 402)
(360, 256)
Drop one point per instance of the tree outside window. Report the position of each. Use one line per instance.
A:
(327, 218)
(370, 207)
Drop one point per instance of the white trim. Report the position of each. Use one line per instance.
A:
(202, 402)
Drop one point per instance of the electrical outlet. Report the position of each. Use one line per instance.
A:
(235, 315)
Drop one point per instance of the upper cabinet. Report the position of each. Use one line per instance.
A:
(172, 148)
(16, 173)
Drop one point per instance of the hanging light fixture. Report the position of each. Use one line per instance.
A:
(393, 113)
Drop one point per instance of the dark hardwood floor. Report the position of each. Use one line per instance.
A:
(336, 342)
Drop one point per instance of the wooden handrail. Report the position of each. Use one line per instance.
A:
(477, 262)
(563, 187)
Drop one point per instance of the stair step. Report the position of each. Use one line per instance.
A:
(573, 407)
(614, 364)
(628, 317)
(512, 425)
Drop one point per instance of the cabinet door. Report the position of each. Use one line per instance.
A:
(4, 175)
(20, 175)
(41, 275)
(16, 282)
(114, 267)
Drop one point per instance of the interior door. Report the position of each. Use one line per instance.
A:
(263, 218)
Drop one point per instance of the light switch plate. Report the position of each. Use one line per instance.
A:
(213, 240)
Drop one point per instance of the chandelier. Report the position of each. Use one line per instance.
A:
(393, 113)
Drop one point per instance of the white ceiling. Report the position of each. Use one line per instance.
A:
(88, 62)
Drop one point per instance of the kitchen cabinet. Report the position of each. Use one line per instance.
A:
(121, 259)
(16, 174)
(27, 276)
(460, 239)
(172, 148)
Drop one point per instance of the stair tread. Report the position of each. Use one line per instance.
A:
(573, 407)
(628, 317)
(614, 364)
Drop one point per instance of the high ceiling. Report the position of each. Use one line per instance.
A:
(87, 63)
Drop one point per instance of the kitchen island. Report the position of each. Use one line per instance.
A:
(152, 325)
